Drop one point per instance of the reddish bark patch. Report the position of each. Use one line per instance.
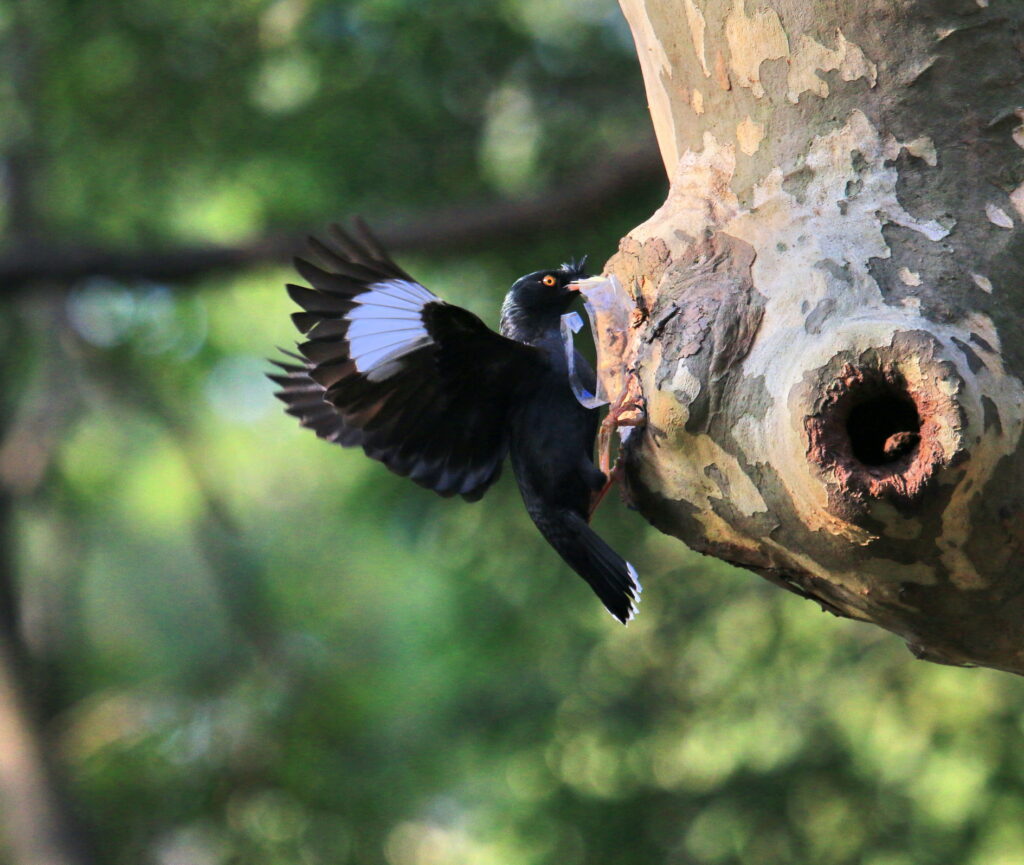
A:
(640, 266)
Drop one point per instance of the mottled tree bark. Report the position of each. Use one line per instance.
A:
(829, 340)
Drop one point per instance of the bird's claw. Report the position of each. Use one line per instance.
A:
(627, 411)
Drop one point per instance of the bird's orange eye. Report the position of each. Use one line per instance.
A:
(549, 281)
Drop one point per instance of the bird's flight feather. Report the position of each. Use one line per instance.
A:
(419, 384)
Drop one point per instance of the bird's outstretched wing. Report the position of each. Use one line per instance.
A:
(421, 385)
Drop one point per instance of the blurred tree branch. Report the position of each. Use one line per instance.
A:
(455, 229)
(40, 826)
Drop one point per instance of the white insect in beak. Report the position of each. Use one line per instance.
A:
(584, 286)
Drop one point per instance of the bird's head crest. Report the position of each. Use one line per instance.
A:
(575, 269)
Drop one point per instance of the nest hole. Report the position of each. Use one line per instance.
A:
(884, 428)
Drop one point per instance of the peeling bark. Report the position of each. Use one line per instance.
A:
(828, 337)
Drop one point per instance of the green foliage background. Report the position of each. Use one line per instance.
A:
(256, 648)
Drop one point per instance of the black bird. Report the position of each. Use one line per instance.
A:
(437, 396)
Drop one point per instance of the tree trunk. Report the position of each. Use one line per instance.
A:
(829, 341)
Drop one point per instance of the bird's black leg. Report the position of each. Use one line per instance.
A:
(593, 477)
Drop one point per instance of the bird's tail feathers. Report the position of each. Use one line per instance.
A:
(612, 578)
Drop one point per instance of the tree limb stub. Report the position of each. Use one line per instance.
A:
(832, 351)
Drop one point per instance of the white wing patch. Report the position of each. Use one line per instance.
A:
(386, 324)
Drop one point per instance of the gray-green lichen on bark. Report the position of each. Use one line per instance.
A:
(829, 346)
